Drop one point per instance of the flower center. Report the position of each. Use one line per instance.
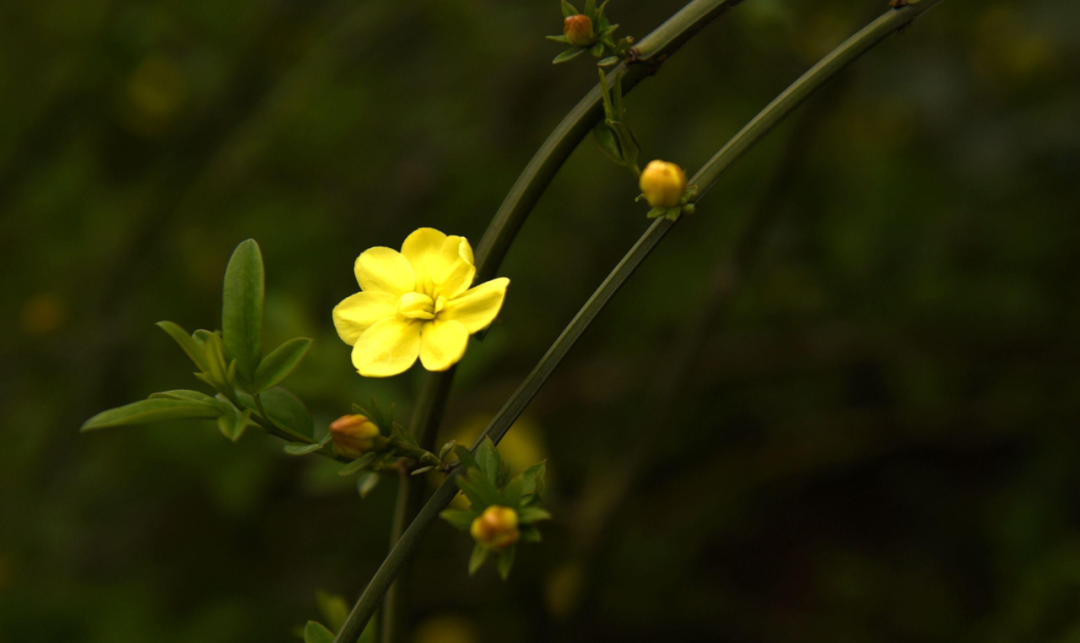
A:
(416, 305)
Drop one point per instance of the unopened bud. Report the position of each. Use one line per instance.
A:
(496, 528)
(663, 184)
(578, 30)
(354, 435)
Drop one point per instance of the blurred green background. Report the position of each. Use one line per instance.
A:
(840, 403)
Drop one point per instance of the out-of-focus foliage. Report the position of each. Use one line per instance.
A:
(878, 441)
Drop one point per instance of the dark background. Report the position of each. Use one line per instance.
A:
(838, 404)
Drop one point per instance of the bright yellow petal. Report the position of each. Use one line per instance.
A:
(442, 344)
(452, 271)
(477, 307)
(388, 347)
(384, 270)
(420, 248)
(466, 251)
(355, 314)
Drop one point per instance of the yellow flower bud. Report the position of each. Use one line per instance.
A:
(354, 435)
(578, 30)
(496, 528)
(663, 184)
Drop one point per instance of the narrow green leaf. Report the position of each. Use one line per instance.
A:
(608, 62)
(534, 514)
(215, 358)
(608, 30)
(242, 309)
(233, 424)
(568, 9)
(476, 495)
(512, 493)
(459, 518)
(286, 411)
(155, 410)
(656, 213)
(477, 560)
(186, 342)
(276, 366)
(609, 145)
(365, 484)
(190, 396)
(533, 479)
(487, 457)
(315, 632)
(673, 213)
(569, 54)
(466, 457)
(333, 609)
(590, 10)
(357, 465)
(303, 448)
(505, 561)
(597, 50)
(530, 534)
(563, 39)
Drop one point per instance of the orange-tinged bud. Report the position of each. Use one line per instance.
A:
(496, 528)
(578, 30)
(663, 184)
(354, 435)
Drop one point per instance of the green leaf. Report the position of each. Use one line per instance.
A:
(568, 9)
(186, 342)
(487, 457)
(608, 62)
(569, 54)
(357, 465)
(534, 514)
(533, 480)
(365, 484)
(233, 424)
(215, 360)
(477, 560)
(530, 534)
(303, 448)
(609, 145)
(597, 50)
(461, 519)
(656, 213)
(504, 562)
(512, 493)
(333, 609)
(276, 366)
(190, 396)
(155, 410)
(285, 410)
(477, 495)
(607, 30)
(466, 457)
(673, 213)
(315, 632)
(563, 39)
(242, 309)
(590, 10)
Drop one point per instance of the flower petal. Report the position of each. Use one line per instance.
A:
(419, 248)
(356, 313)
(387, 347)
(384, 270)
(477, 307)
(452, 271)
(442, 344)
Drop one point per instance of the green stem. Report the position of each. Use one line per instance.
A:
(843, 55)
(425, 426)
(519, 202)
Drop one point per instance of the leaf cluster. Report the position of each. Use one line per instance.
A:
(231, 362)
(485, 481)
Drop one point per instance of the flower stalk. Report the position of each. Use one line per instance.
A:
(864, 40)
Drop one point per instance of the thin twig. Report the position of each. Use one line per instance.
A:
(707, 177)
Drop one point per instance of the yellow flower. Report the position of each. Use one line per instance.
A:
(496, 528)
(354, 435)
(416, 303)
(663, 184)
